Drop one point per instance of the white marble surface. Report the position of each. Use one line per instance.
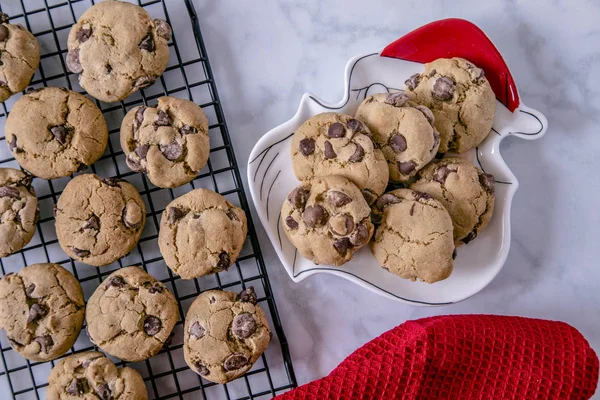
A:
(266, 54)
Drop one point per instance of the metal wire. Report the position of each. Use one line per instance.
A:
(166, 375)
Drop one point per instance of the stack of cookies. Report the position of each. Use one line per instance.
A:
(385, 176)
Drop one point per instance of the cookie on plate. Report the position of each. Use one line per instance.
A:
(404, 131)
(117, 49)
(461, 99)
(327, 220)
(413, 238)
(91, 375)
(19, 57)
(18, 210)
(224, 334)
(53, 132)
(168, 142)
(131, 315)
(466, 191)
(99, 220)
(201, 233)
(41, 310)
(337, 144)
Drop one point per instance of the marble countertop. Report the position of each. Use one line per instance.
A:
(265, 55)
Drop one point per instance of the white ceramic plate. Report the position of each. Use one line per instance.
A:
(271, 178)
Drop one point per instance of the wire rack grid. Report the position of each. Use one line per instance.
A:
(188, 76)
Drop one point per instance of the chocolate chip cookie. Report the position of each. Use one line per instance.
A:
(201, 233)
(168, 142)
(413, 238)
(131, 315)
(90, 375)
(41, 310)
(337, 144)
(53, 132)
(99, 220)
(19, 57)
(327, 220)
(466, 192)
(18, 210)
(461, 99)
(117, 49)
(404, 131)
(224, 334)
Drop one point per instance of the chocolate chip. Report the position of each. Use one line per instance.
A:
(232, 215)
(73, 63)
(12, 144)
(427, 113)
(248, 295)
(45, 343)
(30, 90)
(412, 210)
(3, 33)
(84, 33)
(172, 151)
(406, 168)
(196, 330)
(61, 133)
(92, 223)
(454, 254)
(360, 237)
(338, 199)
(328, 150)
(80, 253)
(291, 222)
(341, 245)
(436, 140)
(336, 130)
(243, 325)
(36, 311)
(398, 143)
(175, 214)
(29, 290)
(441, 174)
(103, 391)
(132, 215)
(298, 197)
(7, 191)
(134, 164)
(432, 73)
(116, 281)
(152, 325)
(235, 361)
(472, 235)
(163, 119)
(420, 195)
(144, 81)
(147, 43)
(87, 362)
(224, 261)
(4, 18)
(443, 89)
(488, 182)
(358, 154)
(397, 99)
(163, 29)
(307, 146)
(341, 224)
(188, 130)
(386, 199)
(412, 82)
(369, 196)
(139, 116)
(356, 126)
(77, 387)
(156, 289)
(315, 216)
(201, 368)
(113, 182)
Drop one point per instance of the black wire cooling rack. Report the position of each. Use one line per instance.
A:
(188, 76)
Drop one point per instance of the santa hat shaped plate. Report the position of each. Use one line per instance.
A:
(271, 176)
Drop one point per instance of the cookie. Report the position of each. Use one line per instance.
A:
(404, 131)
(337, 144)
(41, 311)
(327, 220)
(19, 57)
(169, 142)
(18, 210)
(117, 49)
(131, 315)
(99, 220)
(224, 334)
(461, 99)
(90, 375)
(466, 192)
(413, 238)
(53, 132)
(201, 233)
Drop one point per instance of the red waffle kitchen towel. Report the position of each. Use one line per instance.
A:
(464, 357)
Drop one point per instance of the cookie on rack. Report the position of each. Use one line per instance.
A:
(337, 144)
(18, 210)
(41, 310)
(117, 49)
(413, 238)
(91, 375)
(461, 99)
(131, 315)
(99, 220)
(53, 132)
(201, 233)
(224, 334)
(404, 131)
(327, 220)
(168, 142)
(19, 57)
(466, 191)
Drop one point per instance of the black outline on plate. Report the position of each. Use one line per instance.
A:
(262, 182)
(481, 166)
(269, 193)
(530, 134)
(269, 147)
(366, 89)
